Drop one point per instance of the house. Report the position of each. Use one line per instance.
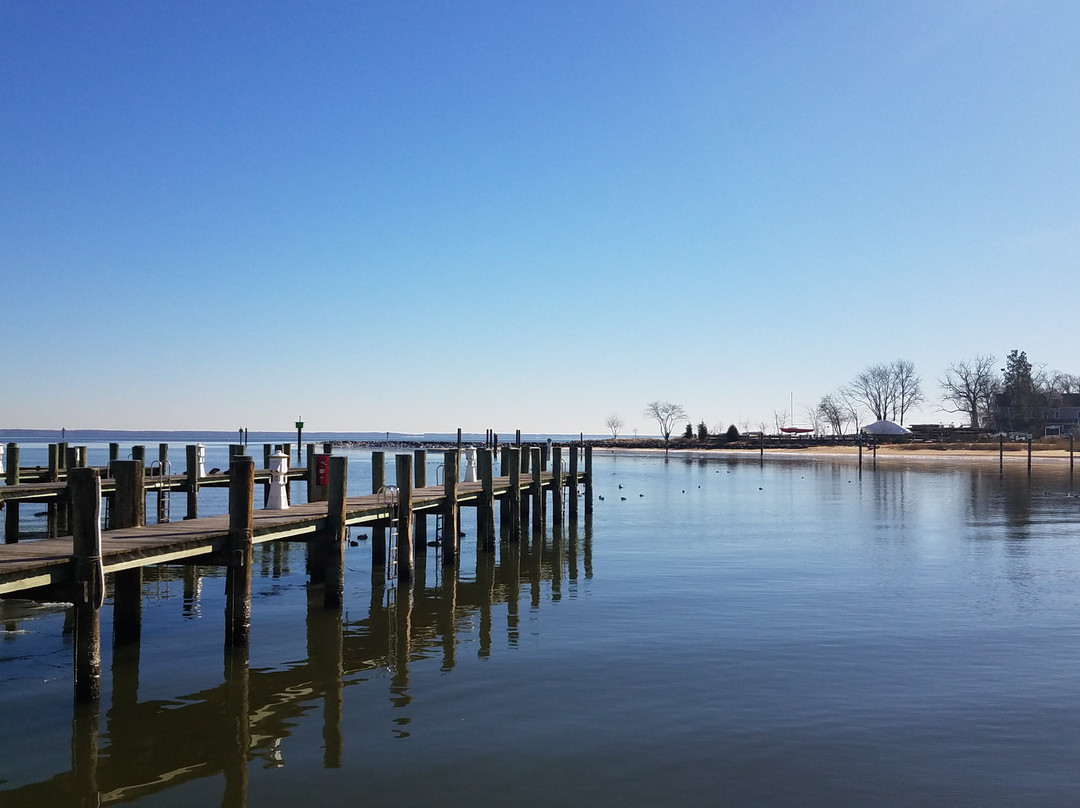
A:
(1053, 414)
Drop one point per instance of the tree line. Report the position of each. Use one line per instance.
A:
(988, 396)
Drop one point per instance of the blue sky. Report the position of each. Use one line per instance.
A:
(423, 216)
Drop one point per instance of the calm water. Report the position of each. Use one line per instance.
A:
(791, 633)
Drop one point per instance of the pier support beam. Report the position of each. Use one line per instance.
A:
(420, 519)
(485, 506)
(333, 550)
(378, 532)
(129, 510)
(504, 502)
(588, 480)
(573, 503)
(556, 485)
(11, 509)
(537, 490)
(238, 571)
(513, 497)
(84, 486)
(54, 509)
(526, 465)
(191, 486)
(451, 512)
(405, 542)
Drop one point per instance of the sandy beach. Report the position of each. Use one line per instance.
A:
(1013, 454)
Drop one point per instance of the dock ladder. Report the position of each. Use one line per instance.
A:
(388, 495)
(162, 470)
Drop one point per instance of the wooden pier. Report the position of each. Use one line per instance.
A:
(73, 568)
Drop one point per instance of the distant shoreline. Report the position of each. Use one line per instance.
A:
(1012, 454)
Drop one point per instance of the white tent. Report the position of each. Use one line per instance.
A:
(885, 428)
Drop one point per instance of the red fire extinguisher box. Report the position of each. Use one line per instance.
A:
(322, 469)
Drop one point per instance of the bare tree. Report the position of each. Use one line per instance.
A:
(875, 387)
(814, 418)
(614, 423)
(907, 387)
(969, 387)
(832, 411)
(852, 407)
(1056, 382)
(780, 419)
(666, 416)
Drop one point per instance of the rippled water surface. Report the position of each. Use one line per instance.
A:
(719, 632)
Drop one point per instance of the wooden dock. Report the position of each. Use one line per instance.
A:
(73, 568)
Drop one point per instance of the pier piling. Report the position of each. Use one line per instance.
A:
(420, 519)
(333, 551)
(11, 509)
(84, 485)
(485, 507)
(238, 570)
(537, 489)
(451, 511)
(573, 503)
(378, 531)
(129, 510)
(405, 543)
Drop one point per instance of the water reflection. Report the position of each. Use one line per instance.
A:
(147, 747)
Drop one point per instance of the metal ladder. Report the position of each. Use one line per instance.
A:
(164, 492)
(388, 495)
(439, 517)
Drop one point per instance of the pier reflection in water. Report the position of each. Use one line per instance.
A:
(138, 748)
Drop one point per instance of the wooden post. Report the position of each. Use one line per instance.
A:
(514, 496)
(84, 486)
(537, 490)
(485, 506)
(556, 485)
(238, 571)
(572, 494)
(130, 499)
(128, 511)
(588, 479)
(405, 542)
(57, 507)
(61, 450)
(139, 453)
(504, 502)
(1070, 454)
(378, 531)
(526, 462)
(1001, 452)
(191, 486)
(1029, 456)
(11, 509)
(334, 538)
(420, 520)
(451, 514)
(268, 449)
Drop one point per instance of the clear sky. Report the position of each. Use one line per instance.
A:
(421, 216)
